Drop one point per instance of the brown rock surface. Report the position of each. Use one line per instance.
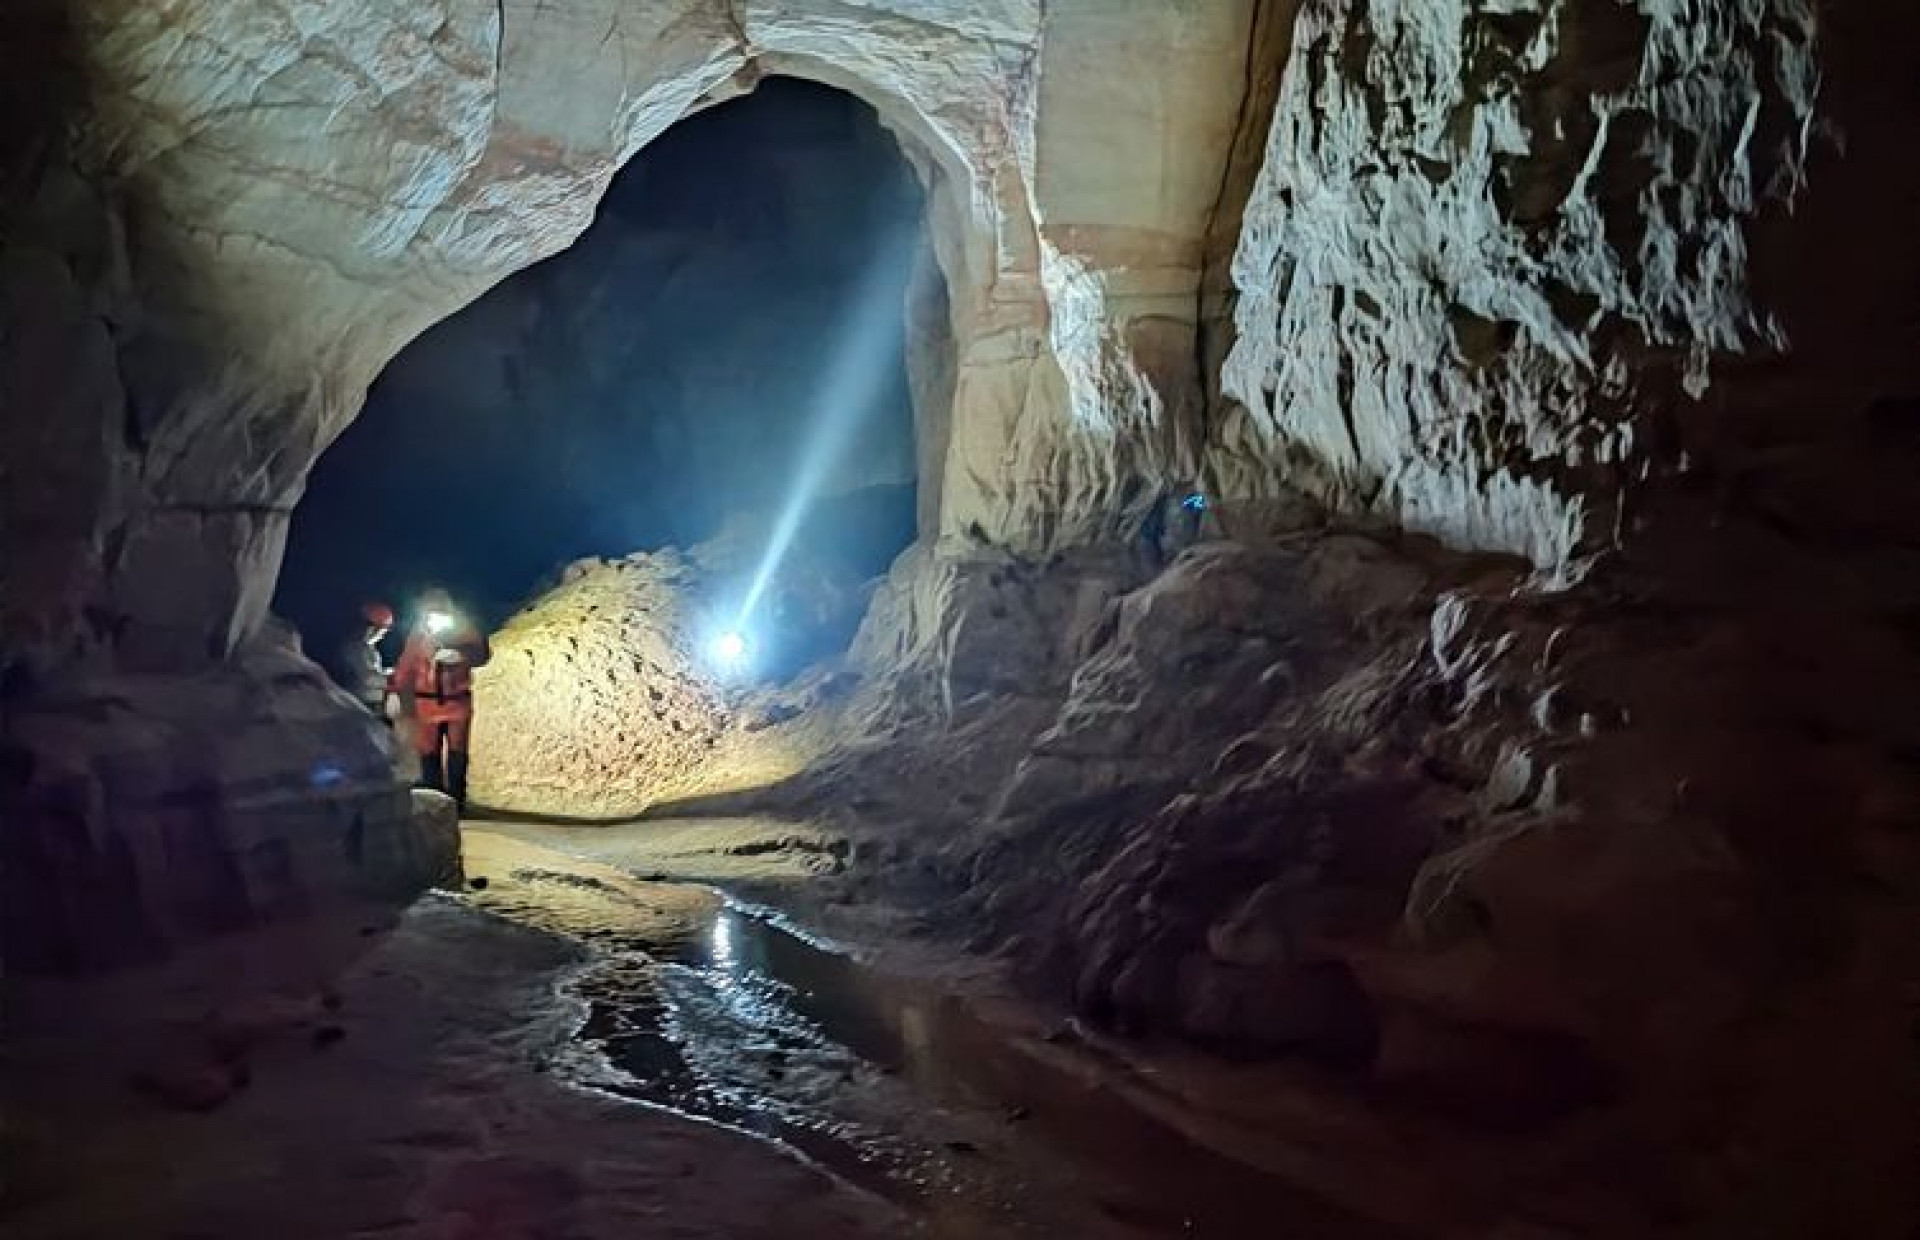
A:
(598, 701)
(143, 811)
(1555, 869)
(427, 1118)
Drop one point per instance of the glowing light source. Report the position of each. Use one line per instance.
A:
(729, 649)
(439, 622)
(1194, 502)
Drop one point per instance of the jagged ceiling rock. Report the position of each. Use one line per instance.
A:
(1487, 253)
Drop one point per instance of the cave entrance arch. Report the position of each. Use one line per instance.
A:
(756, 309)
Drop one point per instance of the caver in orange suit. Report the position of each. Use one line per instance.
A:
(436, 671)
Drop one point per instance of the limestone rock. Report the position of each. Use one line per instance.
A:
(1517, 275)
(1199, 657)
(141, 812)
(1516, 861)
(435, 823)
(598, 701)
(311, 189)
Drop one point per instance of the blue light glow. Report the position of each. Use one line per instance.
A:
(729, 649)
(868, 354)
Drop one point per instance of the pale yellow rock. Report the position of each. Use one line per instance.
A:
(602, 701)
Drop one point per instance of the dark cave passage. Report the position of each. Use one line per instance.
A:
(656, 384)
(1071, 626)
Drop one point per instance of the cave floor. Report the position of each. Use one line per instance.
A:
(575, 1048)
(410, 1099)
(1063, 1131)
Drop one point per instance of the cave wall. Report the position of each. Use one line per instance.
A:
(257, 206)
(653, 380)
(1535, 234)
(1523, 277)
(1601, 857)
(223, 220)
(1490, 249)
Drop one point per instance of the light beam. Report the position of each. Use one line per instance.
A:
(853, 379)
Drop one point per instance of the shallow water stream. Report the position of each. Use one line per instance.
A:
(713, 1010)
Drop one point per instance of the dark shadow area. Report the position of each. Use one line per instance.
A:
(659, 383)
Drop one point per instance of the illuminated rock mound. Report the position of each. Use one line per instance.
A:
(607, 695)
(595, 703)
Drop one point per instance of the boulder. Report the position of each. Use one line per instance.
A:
(141, 812)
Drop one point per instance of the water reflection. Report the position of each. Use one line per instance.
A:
(721, 938)
(700, 1006)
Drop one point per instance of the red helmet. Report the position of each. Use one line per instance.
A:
(378, 614)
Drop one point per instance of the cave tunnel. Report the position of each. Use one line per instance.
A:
(1323, 602)
(736, 311)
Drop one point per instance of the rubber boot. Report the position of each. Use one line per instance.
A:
(457, 776)
(431, 774)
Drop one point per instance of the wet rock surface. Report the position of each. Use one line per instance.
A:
(480, 1063)
(1601, 869)
(1537, 868)
(957, 1110)
(430, 1112)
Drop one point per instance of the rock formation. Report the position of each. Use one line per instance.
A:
(1486, 243)
(604, 699)
(1606, 840)
(660, 374)
(222, 224)
(141, 811)
(257, 278)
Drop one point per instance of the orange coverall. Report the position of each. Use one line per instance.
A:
(442, 700)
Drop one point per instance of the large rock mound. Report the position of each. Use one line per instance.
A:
(596, 703)
(603, 699)
(1557, 874)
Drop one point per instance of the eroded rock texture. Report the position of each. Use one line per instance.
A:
(223, 221)
(1547, 879)
(1488, 242)
(143, 811)
(259, 207)
(1589, 874)
(597, 702)
(604, 698)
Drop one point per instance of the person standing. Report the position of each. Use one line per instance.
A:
(363, 670)
(436, 671)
